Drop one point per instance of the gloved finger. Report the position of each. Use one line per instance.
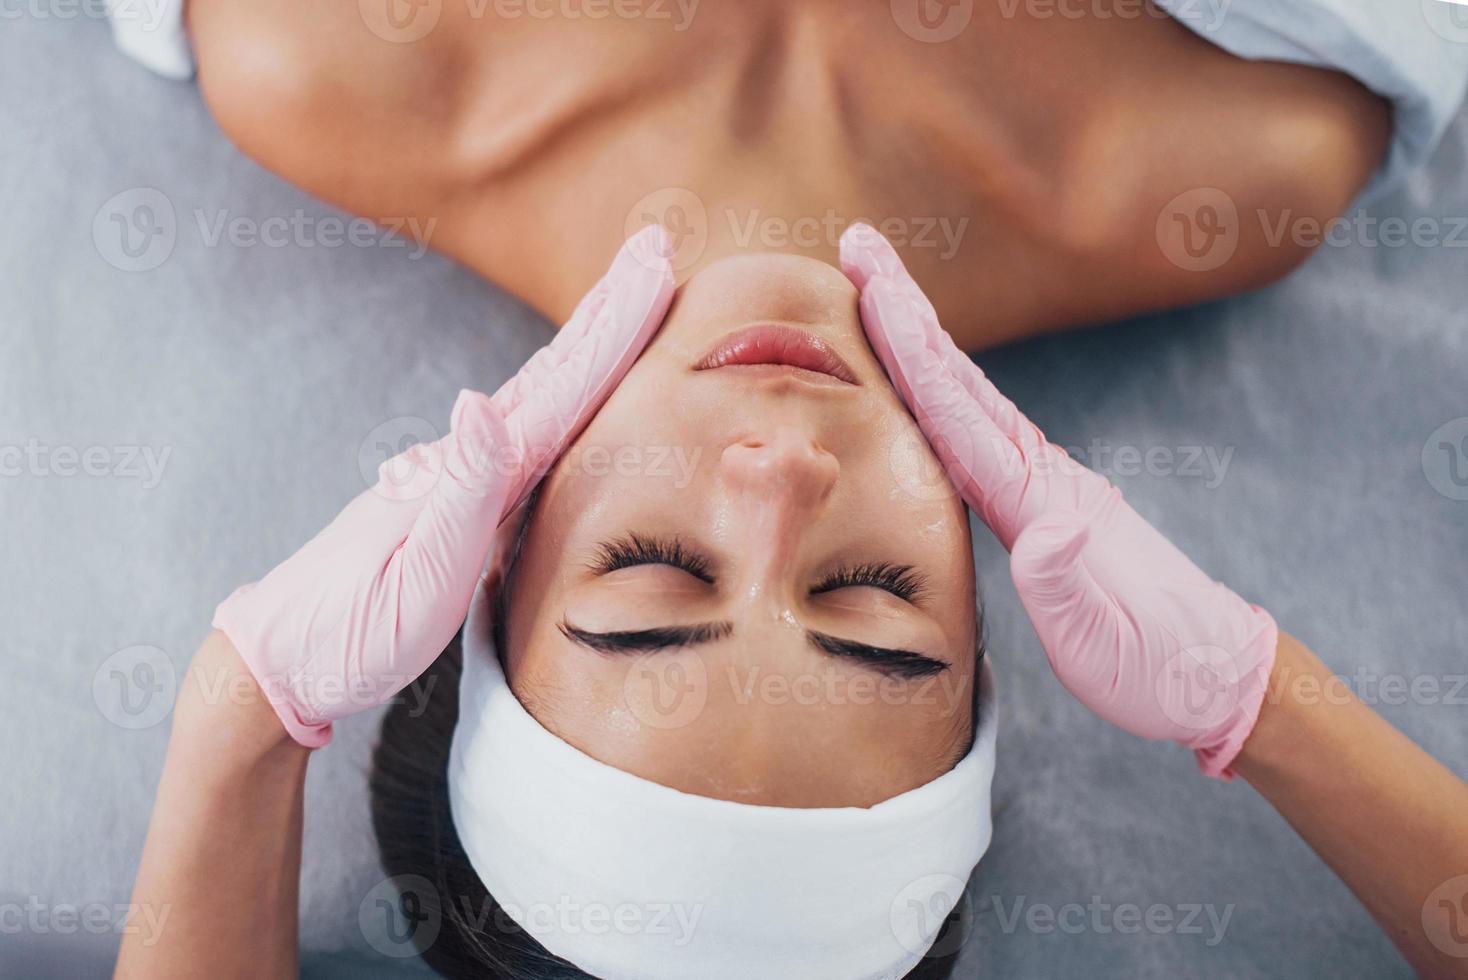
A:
(982, 462)
(412, 473)
(1046, 561)
(446, 547)
(1063, 599)
(389, 507)
(870, 261)
(556, 394)
(609, 327)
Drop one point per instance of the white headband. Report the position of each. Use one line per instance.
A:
(631, 880)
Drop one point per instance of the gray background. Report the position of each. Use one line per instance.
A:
(264, 371)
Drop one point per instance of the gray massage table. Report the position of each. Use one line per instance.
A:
(257, 379)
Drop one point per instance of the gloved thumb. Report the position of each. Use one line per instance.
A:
(1047, 564)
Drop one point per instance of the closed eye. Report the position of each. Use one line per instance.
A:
(903, 581)
(641, 549)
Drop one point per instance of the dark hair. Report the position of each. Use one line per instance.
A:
(416, 837)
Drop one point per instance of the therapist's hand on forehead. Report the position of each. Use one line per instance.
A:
(1132, 628)
(369, 603)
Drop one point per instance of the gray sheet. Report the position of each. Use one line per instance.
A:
(261, 371)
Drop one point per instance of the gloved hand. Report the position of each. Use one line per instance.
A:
(369, 603)
(1132, 628)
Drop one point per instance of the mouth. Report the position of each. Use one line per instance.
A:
(773, 345)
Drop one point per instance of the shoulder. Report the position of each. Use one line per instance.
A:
(1189, 186)
(330, 98)
(1251, 159)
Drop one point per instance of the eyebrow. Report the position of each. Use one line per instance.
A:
(886, 660)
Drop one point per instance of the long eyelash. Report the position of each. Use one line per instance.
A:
(639, 549)
(893, 663)
(900, 580)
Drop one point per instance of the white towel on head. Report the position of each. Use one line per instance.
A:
(1412, 52)
(633, 880)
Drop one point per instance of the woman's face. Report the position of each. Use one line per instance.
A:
(752, 582)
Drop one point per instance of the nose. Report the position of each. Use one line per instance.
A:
(776, 487)
(787, 470)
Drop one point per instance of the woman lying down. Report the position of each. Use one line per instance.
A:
(583, 755)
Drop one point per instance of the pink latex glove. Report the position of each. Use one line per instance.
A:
(1132, 628)
(369, 603)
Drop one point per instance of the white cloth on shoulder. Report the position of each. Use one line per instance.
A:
(1412, 52)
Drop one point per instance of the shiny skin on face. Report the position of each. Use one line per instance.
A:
(751, 582)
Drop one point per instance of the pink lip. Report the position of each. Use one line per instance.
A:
(774, 344)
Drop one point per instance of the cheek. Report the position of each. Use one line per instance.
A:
(577, 696)
(652, 409)
(915, 476)
(900, 484)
